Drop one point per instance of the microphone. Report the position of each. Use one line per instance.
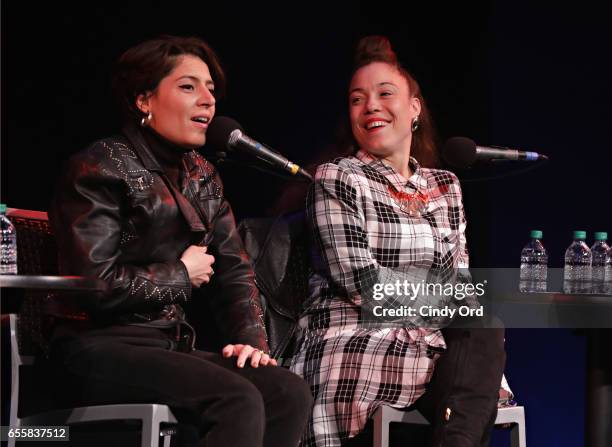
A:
(462, 152)
(225, 133)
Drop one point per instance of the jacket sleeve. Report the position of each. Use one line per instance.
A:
(235, 299)
(86, 216)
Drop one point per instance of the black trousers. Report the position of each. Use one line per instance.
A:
(230, 406)
(466, 381)
(461, 398)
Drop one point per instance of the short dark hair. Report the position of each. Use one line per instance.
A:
(378, 49)
(141, 68)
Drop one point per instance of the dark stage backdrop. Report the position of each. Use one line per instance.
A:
(502, 73)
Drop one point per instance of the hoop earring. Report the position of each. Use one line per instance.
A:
(144, 122)
(415, 124)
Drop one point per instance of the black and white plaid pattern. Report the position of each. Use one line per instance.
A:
(365, 238)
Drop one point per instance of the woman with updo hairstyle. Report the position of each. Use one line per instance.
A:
(384, 220)
(145, 212)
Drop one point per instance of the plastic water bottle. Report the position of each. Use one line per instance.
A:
(534, 265)
(577, 270)
(608, 280)
(601, 263)
(8, 244)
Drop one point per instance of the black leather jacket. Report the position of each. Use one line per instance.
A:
(118, 217)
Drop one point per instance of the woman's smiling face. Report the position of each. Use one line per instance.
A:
(381, 109)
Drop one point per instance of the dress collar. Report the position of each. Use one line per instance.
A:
(417, 181)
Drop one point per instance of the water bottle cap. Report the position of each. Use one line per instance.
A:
(2, 208)
(536, 234)
(580, 235)
(601, 236)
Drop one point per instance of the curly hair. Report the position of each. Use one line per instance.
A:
(141, 68)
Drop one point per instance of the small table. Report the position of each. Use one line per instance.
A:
(15, 286)
(48, 282)
(13, 289)
(593, 314)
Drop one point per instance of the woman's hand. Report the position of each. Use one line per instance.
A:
(244, 352)
(198, 264)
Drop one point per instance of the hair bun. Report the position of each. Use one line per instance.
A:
(374, 48)
(378, 48)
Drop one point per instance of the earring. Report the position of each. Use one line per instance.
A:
(415, 124)
(144, 122)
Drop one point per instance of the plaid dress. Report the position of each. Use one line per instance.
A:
(367, 234)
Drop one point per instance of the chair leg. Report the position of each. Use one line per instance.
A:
(517, 434)
(381, 429)
(150, 433)
(161, 415)
(167, 440)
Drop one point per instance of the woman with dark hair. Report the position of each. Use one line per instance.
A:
(144, 212)
(381, 218)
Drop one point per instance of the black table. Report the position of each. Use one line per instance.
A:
(552, 310)
(14, 287)
(592, 315)
(47, 282)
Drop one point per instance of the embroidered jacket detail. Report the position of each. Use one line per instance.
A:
(157, 293)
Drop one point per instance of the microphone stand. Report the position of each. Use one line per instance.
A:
(222, 159)
(498, 163)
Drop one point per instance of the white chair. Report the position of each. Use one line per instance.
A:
(157, 420)
(514, 416)
(37, 255)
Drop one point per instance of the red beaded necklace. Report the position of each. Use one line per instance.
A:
(412, 203)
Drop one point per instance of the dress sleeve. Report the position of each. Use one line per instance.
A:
(455, 198)
(458, 221)
(336, 209)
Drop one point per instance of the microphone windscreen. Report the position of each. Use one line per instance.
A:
(219, 132)
(459, 152)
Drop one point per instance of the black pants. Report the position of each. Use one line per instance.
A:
(466, 380)
(231, 406)
(461, 399)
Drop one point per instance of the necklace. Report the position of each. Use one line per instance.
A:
(412, 203)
